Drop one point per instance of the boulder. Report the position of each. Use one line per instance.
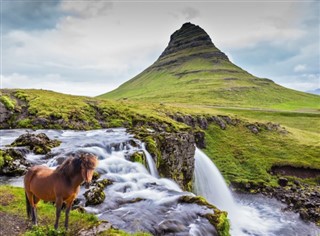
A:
(12, 162)
(282, 181)
(38, 143)
(96, 195)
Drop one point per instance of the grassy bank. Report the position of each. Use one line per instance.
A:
(240, 154)
(12, 203)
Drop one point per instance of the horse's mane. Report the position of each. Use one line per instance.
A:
(70, 166)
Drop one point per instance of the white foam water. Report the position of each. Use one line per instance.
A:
(139, 200)
(249, 215)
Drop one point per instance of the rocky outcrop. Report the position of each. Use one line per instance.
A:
(13, 162)
(190, 37)
(38, 143)
(300, 172)
(299, 197)
(5, 115)
(202, 122)
(173, 154)
(177, 157)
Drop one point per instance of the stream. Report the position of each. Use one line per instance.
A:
(139, 200)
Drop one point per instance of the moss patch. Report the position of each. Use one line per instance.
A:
(218, 219)
(8, 103)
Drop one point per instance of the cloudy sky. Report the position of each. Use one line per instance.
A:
(91, 47)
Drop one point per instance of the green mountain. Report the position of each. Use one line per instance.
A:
(191, 70)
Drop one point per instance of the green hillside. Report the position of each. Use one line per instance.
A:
(192, 70)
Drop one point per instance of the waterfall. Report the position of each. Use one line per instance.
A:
(246, 219)
(150, 162)
(210, 184)
(140, 201)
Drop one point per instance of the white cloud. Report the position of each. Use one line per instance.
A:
(302, 82)
(108, 43)
(92, 8)
(54, 82)
(299, 68)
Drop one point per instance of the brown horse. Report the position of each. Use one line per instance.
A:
(59, 185)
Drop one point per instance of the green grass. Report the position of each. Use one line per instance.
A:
(242, 156)
(61, 111)
(239, 154)
(8, 103)
(12, 201)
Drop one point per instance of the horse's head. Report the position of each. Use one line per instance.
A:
(88, 164)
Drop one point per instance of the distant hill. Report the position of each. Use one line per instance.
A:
(191, 70)
(316, 91)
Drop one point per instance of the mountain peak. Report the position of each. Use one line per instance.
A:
(190, 37)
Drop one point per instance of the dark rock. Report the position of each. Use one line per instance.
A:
(96, 195)
(13, 162)
(5, 116)
(171, 226)
(200, 139)
(39, 121)
(304, 214)
(219, 122)
(300, 172)
(282, 181)
(39, 144)
(253, 128)
(174, 155)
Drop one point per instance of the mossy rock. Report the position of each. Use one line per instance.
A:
(39, 144)
(12, 163)
(138, 157)
(7, 102)
(218, 219)
(96, 195)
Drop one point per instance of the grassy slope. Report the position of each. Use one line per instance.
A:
(222, 84)
(221, 88)
(239, 154)
(243, 156)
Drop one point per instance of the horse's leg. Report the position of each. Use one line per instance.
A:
(69, 203)
(31, 199)
(59, 202)
(35, 202)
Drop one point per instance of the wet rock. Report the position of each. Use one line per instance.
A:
(171, 226)
(282, 181)
(39, 144)
(138, 157)
(96, 195)
(304, 214)
(13, 162)
(176, 158)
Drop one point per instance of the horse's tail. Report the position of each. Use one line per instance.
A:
(28, 206)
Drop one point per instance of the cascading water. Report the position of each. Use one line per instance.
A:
(210, 183)
(249, 215)
(140, 201)
(151, 164)
(136, 200)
